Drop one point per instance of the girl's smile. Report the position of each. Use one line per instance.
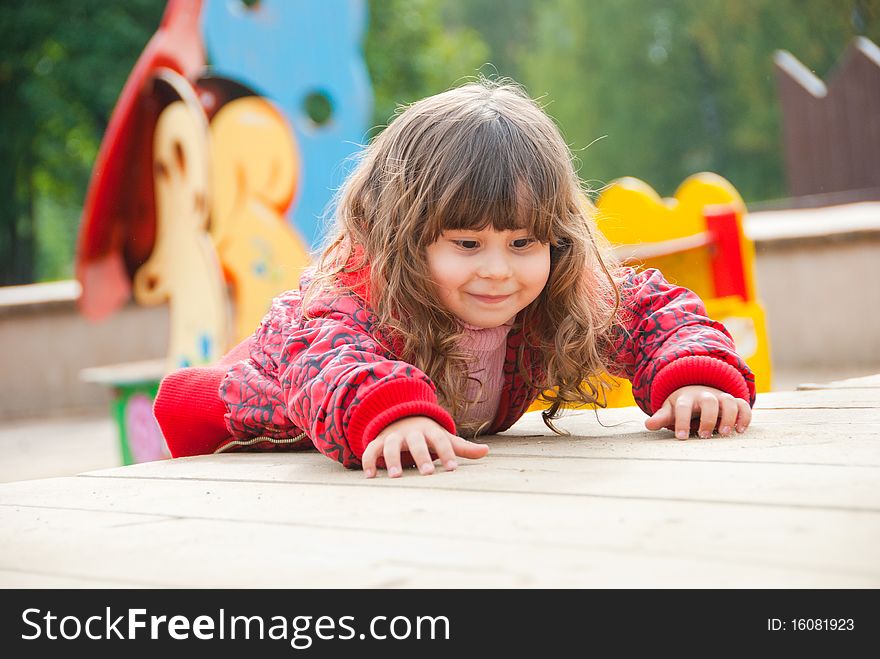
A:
(490, 299)
(486, 277)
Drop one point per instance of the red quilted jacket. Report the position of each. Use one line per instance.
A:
(328, 382)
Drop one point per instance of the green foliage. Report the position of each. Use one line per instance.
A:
(411, 54)
(506, 28)
(61, 68)
(674, 87)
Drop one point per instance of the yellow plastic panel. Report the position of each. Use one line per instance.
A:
(670, 235)
(747, 324)
(183, 269)
(631, 213)
(255, 175)
(707, 189)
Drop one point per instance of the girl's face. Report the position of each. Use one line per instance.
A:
(486, 277)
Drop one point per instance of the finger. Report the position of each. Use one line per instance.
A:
(682, 412)
(661, 418)
(442, 445)
(391, 451)
(465, 449)
(745, 415)
(729, 412)
(368, 461)
(418, 449)
(708, 414)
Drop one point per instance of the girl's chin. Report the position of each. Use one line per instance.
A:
(485, 320)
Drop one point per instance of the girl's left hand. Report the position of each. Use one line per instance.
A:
(712, 406)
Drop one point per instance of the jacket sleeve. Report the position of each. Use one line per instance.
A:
(334, 381)
(188, 407)
(665, 341)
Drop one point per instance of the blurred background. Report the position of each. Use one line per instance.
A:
(659, 89)
(652, 89)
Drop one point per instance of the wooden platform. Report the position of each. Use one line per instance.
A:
(795, 502)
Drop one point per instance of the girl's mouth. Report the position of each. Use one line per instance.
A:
(490, 299)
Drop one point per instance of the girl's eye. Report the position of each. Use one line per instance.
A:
(522, 243)
(466, 244)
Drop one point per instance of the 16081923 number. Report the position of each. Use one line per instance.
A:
(821, 624)
(810, 624)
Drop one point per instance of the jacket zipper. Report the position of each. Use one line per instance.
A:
(257, 440)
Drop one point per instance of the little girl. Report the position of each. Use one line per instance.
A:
(464, 279)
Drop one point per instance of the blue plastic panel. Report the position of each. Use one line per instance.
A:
(287, 50)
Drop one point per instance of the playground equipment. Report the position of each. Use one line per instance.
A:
(193, 197)
(696, 240)
(182, 269)
(306, 57)
(254, 179)
(117, 229)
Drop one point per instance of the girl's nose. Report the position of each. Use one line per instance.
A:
(494, 265)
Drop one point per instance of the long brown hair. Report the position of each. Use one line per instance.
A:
(478, 155)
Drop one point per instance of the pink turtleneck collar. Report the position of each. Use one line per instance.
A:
(488, 347)
(483, 339)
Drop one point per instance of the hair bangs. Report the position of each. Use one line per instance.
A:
(500, 180)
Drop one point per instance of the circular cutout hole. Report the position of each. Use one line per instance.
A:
(318, 107)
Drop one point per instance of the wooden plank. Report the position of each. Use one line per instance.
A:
(867, 382)
(835, 402)
(854, 450)
(854, 445)
(49, 579)
(826, 436)
(833, 437)
(830, 398)
(792, 503)
(34, 296)
(172, 552)
(817, 225)
(630, 422)
(760, 483)
(246, 534)
(129, 373)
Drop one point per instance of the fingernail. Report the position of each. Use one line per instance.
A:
(394, 471)
(427, 468)
(725, 430)
(740, 428)
(704, 434)
(681, 434)
(452, 464)
(369, 473)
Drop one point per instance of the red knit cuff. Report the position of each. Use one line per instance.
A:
(190, 412)
(697, 369)
(388, 402)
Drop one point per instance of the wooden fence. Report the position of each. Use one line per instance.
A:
(832, 131)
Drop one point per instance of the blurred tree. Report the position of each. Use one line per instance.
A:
(672, 87)
(411, 53)
(506, 27)
(61, 70)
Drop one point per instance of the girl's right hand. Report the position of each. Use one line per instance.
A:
(420, 435)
